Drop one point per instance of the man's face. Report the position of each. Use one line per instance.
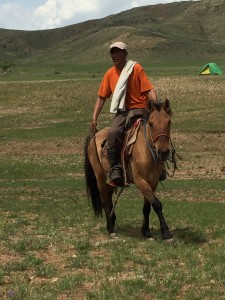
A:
(118, 57)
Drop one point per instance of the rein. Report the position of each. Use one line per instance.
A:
(152, 151)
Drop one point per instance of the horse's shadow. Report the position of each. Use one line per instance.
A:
(190, 235)
(129, 231)
(186, 235)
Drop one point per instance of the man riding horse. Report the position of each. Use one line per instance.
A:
(132, 91)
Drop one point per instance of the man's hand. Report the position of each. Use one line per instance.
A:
(152, 95)
(98, 107)
(93, 126)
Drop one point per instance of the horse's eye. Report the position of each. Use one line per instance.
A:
(150, 123)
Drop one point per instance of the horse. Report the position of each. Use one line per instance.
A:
(145, 164)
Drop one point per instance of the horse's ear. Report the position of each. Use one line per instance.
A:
(166, 107)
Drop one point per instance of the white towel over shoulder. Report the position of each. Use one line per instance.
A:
(118, 99)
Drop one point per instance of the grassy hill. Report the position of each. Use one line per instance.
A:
(184, 33)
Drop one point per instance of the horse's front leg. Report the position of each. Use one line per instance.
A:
(149, 199)
(148, 193)
(157, 206)
(146, 215)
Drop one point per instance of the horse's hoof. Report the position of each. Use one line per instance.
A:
(113, 236)
(167, 236)
(169, 240)
(147, 234)
(151, 239)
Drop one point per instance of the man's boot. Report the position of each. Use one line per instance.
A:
(116, 172)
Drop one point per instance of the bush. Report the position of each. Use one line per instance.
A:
(5, 66)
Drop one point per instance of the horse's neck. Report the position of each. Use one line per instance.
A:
(146, 133)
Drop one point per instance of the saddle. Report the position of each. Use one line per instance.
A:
(130, 139)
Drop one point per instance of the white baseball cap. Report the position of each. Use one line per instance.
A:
(119, 45)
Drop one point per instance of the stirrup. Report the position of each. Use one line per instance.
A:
(122, 185)
(116, 175)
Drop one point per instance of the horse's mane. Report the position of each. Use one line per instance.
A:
(153, 105)
(158, 105)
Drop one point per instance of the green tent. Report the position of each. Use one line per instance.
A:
(210, 68)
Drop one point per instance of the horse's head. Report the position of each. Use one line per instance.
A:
(159, 121)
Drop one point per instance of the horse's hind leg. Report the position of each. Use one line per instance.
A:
(106, 193)
(157, 206)
(146, 214)
(110, 191)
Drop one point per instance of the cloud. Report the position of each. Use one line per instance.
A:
(11, 15)
(136, 3)
(55, 13)
(48, 14)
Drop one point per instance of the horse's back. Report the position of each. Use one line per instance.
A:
(101, 137)
(97, 151)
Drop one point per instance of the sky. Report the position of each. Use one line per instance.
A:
(50, 14)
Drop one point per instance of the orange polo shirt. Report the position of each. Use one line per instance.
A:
(137, 86)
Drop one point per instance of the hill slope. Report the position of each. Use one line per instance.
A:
(182, 31)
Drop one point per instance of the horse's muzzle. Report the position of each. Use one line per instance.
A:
(163, 154)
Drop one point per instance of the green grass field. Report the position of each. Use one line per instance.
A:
(51, 245)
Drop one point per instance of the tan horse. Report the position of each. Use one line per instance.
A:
(151, 149)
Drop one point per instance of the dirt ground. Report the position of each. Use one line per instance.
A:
(201, 155)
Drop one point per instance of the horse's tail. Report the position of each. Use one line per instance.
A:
(91, 181)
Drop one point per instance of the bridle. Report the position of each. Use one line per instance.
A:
(150, 147)
(158, 136)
